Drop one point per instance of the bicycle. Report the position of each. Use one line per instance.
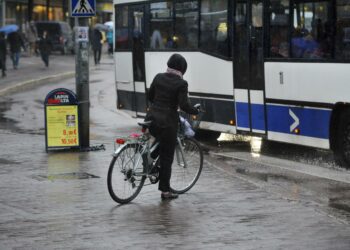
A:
(132, 164)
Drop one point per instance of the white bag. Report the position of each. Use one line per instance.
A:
(188, 131)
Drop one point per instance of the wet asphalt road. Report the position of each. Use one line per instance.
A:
(236, 204)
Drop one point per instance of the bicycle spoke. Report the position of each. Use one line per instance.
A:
(187, 166)
(125, 178)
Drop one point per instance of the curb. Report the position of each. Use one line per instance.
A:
(339, 175)
(35, 82)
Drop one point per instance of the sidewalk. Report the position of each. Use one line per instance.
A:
(32, 71)
(59, 200)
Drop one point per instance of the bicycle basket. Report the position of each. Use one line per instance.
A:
(194, 120)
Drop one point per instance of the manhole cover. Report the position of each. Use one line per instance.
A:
(5, 161)
(65, 176)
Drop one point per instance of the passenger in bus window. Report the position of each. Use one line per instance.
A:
(167, 93)
(279, 45)
(304, 45)
(157, 40)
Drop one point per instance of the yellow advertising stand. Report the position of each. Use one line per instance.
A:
(61, 120)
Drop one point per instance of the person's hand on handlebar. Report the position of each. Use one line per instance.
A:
(198, 107)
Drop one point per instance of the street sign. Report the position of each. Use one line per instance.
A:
(83, 34)
(61, 120)
(83, 8)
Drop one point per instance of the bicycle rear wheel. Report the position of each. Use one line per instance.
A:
(125, 175)
(187, 166)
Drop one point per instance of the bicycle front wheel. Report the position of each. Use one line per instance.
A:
(187, 165)
(125, 175)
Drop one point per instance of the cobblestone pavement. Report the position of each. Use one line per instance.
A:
(64, 212)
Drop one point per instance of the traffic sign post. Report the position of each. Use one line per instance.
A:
(81, 10)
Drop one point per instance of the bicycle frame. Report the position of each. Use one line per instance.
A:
(179, 144)
(144, 151)
(147, 149)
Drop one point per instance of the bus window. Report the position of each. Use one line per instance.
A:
(186, 24)
(312, 35)
(161, 25)
(213, 27)
(279, 28)
(342, 43)
(121, 28)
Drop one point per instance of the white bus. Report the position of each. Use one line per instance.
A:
(273, 68)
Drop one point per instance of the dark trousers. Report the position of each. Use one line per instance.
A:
(167, 139)
(97, 55)
(45, 58)
(15, 59)
(3, 65)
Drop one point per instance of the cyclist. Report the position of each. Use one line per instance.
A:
(168, 91)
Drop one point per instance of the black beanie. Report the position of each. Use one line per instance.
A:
(178, 62)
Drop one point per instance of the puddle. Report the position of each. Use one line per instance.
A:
(7, 162)
(265, 176)
(95, 81)
(65, 176)
(339, 203)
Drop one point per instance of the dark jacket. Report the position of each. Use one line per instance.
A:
(2, 49)
(15, 41)
(168, 92)
(96, 40)
(2, 53)
(45, 45)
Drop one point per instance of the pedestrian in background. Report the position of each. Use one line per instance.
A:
(3, 53)
(97, 45)
(110, 41)
(16, 42)
(45, 45)
(32, 36)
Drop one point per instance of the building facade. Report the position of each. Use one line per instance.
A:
(21, 11)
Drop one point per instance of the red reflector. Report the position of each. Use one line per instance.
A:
(120, 141)
(143, 130)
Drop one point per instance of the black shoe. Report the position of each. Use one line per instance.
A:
(169, 196)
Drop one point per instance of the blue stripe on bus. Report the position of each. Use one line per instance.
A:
(242, 109)
(258, 116)
(312, 122)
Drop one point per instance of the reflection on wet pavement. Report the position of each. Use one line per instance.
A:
(258, 146)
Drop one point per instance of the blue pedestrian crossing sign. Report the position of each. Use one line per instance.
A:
(83, 8)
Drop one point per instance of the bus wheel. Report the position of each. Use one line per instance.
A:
(342, 150)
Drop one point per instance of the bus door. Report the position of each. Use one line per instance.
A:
(129, 59)
(249, 66)
(137, 13)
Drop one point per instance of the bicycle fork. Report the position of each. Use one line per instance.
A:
(179, 151)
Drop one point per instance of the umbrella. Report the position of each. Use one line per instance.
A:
(109, 24)
(7, 29)
(101, 26)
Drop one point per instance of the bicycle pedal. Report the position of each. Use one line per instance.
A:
(153, 179)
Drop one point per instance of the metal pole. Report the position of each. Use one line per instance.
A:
(30, 10)
(2, 12)
(82, 84)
